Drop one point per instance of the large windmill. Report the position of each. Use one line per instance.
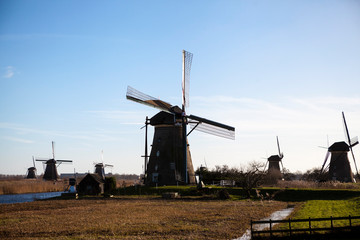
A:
(51, 168)
(100, 167)
(31, 172)
(169, 162)
(274, 162)
(339, 166)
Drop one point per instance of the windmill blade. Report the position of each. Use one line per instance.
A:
(187, 60)
(61, 161)
(282, 167)
(102, 156)
(108, 165)
(352, 153)
(354, 141)
(137, 96)
(326, 158)
(42, 159)
(53, 149)
(346, 130)
(33, 161)
(211, 127)
(278, 144)
(266, 165)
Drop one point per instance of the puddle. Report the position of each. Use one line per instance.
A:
(278, 215)
(27, 197)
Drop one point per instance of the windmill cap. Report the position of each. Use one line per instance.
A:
(162, 118)
(274, 158)
(339, 147)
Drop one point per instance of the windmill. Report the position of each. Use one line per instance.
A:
(51, 168)
(170, 162)
(274, 160)
(339, 166)
(100, 167)
(31, 172)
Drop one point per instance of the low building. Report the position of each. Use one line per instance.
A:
(91, 184)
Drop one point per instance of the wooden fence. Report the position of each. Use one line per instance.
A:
(290, 229)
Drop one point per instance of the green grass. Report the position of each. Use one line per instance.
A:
(326, 209)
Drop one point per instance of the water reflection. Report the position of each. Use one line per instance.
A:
(27, 197)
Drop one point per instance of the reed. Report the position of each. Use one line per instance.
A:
(29, 186)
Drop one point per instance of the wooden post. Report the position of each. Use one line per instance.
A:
(350, 221)
(310, 225)
(270, 229)
(290, 225)
(331, 223)
(251, 228)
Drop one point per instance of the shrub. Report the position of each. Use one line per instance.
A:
(223, 194)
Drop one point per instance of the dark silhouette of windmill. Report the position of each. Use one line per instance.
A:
(51, 168)
(31, 171)
(339, 167)
(100, 167)
(274, 162)
(170, 162)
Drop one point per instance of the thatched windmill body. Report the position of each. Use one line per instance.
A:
(170, 162)
(31, 171)
(274, 161)
(339, 166)
(51, 166)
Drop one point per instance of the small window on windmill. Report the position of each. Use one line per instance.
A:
(156, 167)
(158, 153)
(155, 177)
(159, 139)
(172, 166)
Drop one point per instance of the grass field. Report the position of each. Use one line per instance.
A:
(326, 209)
(131, 218)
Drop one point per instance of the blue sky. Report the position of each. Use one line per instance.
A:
(268, 68)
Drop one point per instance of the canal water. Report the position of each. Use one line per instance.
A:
(27, 197)
(278, 215)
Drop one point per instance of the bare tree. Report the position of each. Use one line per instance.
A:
(252, 177)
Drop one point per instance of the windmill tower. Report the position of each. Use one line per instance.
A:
(31, 172)
(100, 167)
(274, 162)
(169, 162)
(339, 166)
(51, 168)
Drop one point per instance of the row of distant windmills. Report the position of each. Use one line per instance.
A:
(338, 167)
(52, 164)
(169, 161)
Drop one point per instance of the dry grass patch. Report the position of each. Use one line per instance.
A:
(30, 186)
(140, 218)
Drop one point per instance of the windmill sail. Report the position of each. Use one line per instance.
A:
(137, 96)
(350, 141)
(211, 127)
(187, 60)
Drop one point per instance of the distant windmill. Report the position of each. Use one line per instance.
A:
(100, 167)
(274, 160)
(339, 166)
(31, 172)
(51, 168)
(170, 160)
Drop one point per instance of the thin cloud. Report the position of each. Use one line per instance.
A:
(20, 140)
(9, 72)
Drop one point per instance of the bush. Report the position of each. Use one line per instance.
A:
(223, 194)
(110, 185)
